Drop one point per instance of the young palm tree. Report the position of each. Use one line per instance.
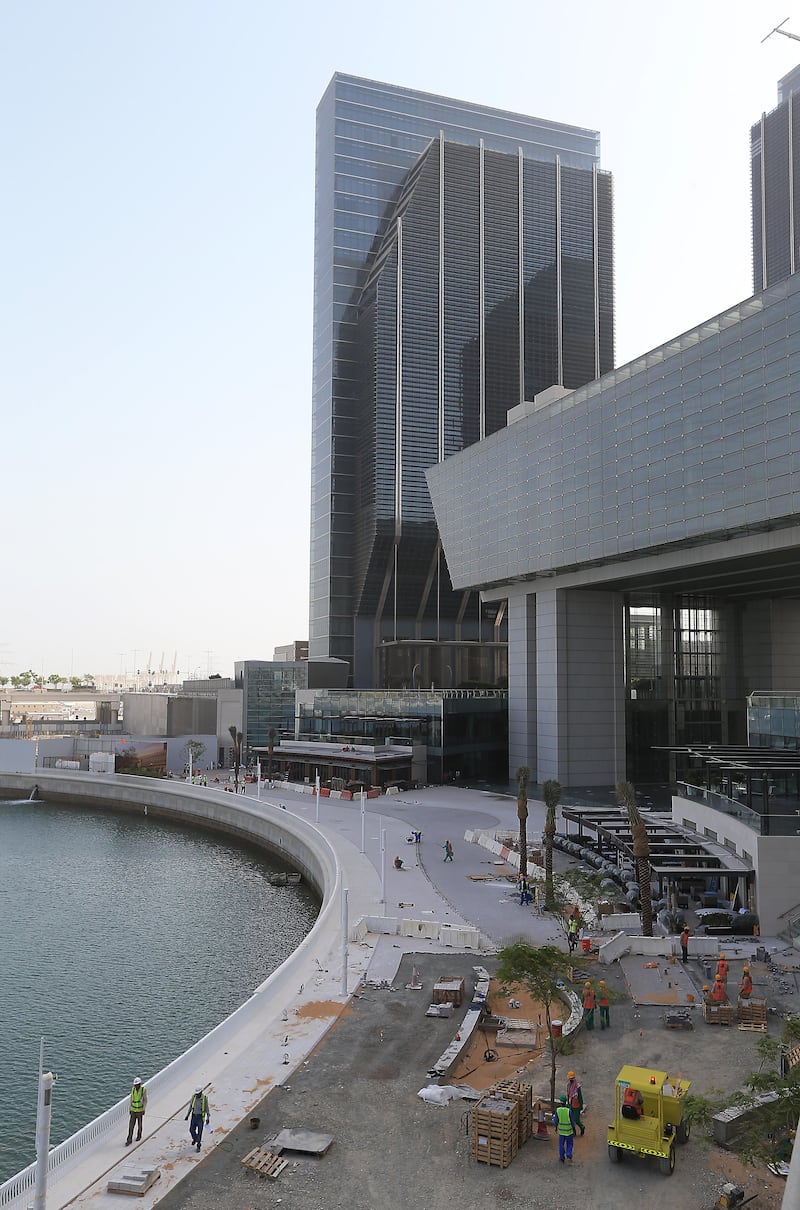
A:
(551, 792)
(626, 796)
(523, 777)
(237, 738)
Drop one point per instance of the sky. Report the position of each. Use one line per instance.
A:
(156, 249)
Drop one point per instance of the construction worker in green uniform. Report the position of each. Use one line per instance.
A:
(588, 1005)
(564, 1122)
(575, 1099)
(603, 1003)
(137, 1107)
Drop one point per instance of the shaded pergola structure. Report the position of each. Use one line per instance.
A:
(681, 860)
(761, 784)
(348, 763)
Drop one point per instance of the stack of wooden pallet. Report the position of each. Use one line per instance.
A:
(495, 1130)
(753, 1014)
(516, 1090)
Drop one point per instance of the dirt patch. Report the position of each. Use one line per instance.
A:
(319, 1010)
(770, 1188)
(476, 1069)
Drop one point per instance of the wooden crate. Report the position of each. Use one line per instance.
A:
(495, 1131)
(718, 1014)
(516, 1090)
(752, 1011)
(449, 990)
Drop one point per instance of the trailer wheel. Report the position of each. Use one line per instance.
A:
(666, 1166)
(614, 1154)
(683, 1131)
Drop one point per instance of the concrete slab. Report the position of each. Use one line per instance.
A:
(300, 1139)
(659, 981)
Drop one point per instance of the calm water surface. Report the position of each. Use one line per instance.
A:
(122, 941)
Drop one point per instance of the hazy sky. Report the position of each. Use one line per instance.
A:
(156, 272)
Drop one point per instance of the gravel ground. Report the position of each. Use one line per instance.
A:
(391, 1151)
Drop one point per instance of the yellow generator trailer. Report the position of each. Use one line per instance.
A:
(648, 1116)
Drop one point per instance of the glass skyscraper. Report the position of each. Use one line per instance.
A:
(775, 185)
(463, 264)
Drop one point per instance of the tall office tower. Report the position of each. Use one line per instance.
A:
(463, 264)
(775, 185)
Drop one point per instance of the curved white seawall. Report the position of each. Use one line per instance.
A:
(262, 1041)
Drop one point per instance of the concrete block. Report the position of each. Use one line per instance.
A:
(621, 920)
(135, 1181)
(616, 947)
(461, 938)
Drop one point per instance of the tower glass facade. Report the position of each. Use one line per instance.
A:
(463, 263)
(775, 184)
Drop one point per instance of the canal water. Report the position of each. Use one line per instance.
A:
(123, 940)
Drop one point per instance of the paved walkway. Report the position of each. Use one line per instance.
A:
(426, 887)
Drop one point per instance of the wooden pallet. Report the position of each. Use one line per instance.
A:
(264, 1162)
(754, 1027)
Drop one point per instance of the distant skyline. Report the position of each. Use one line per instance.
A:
(155, 312)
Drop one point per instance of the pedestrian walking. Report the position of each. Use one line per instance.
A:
(572, 933)
(685, 943)
(564, 1122)
(198, 1112)
(138, 1105)
(448, 851)
(575, 1099)
(524, 892)
(603, 1003)
(588, 1005)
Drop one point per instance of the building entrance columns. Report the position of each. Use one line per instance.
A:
(566, 684)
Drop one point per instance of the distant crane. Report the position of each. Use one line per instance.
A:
(780, 30)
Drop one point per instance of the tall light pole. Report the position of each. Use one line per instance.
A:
(43, 1114)
(363, 817)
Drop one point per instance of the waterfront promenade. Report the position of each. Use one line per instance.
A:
(289, 1015)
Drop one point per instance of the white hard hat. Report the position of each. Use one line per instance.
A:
(198, 1089)
(138, 1080)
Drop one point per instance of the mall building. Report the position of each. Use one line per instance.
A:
(645, 532)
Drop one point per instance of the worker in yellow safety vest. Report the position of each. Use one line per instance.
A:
(138, 1106)
(198, 1112)
(564, 1122)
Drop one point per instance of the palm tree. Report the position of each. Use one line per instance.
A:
(237, 738)
(551, 792)
(523, 777)
(626, 796)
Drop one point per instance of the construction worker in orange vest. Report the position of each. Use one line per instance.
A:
(746, 985)
(603, 1004)
(588, 1005)
(718, 992)
(722, 968)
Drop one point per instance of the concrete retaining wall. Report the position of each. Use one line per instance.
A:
(655, 947)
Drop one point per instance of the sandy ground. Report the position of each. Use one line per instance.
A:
(392, 1151)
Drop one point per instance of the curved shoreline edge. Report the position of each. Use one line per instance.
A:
(268, 1034)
